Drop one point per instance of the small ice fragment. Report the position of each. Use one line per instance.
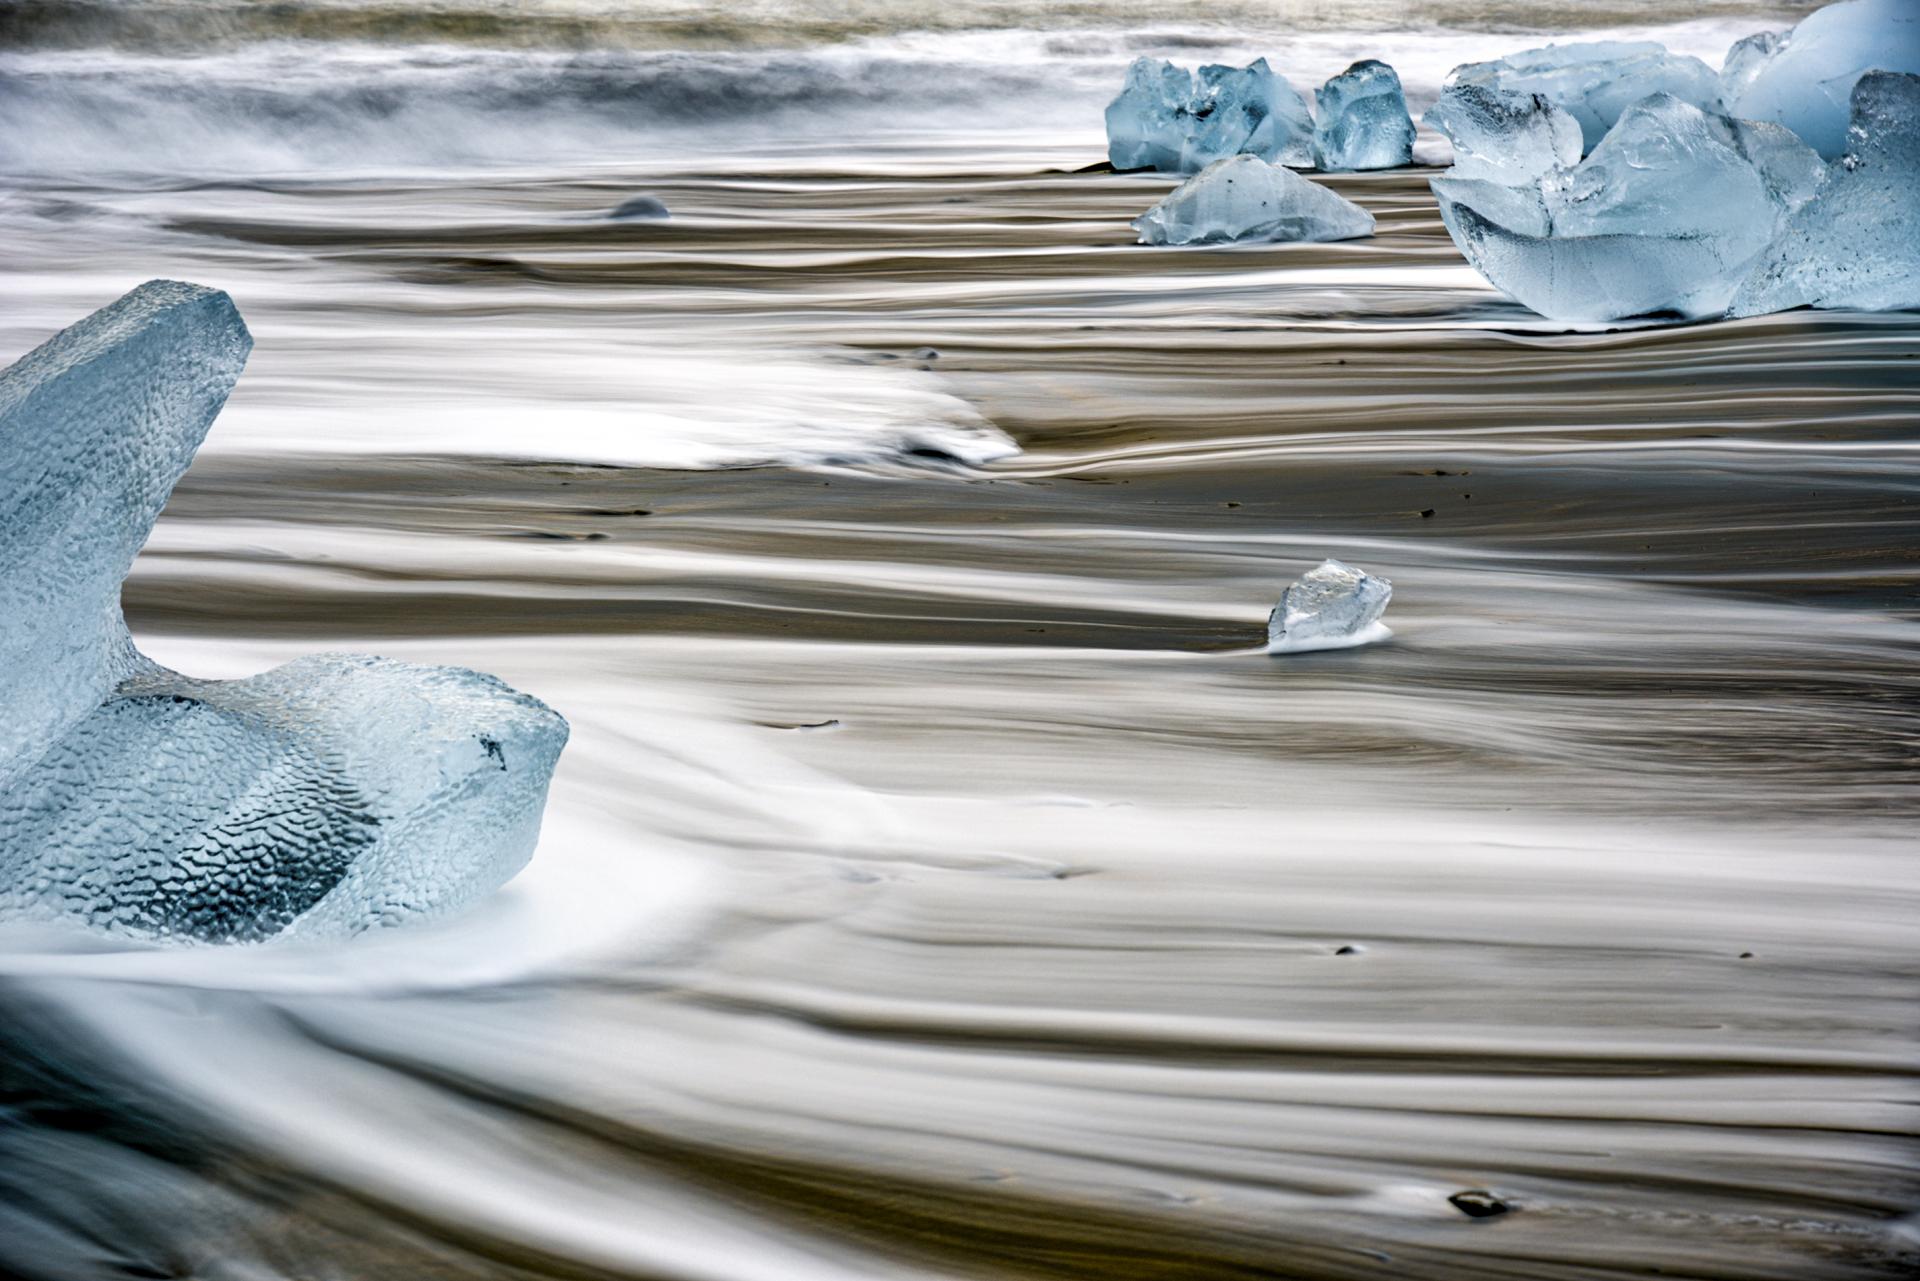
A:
(1333, 606)
(1743, 63)
(331, 794)
(1807, 81)
(1363, 121)
(1176, 121)
(1857, 243)
(1245, 198)
(1668, 214)
(639, 208)
(1596, 82)
(1504, 137)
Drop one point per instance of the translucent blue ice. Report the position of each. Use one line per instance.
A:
(1743, 63)
(1177, 121)
(1806, 81)
(1245, 198)
(96, 424)
(1362, 120)
(1667, 215)
(331, 794)
(1503, 136)
(1596, 82)
(1332, 606)
(1857, 243)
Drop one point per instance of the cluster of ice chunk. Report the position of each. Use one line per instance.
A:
(1595, 83)
(1679, 208)
(1179, 121)
(1805, 78)
(1667, 214)
(1857, 243)
(1245, 198)
(1332, 606)
(1362, 120)
(331, 794)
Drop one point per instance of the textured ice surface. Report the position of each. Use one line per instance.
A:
(1667, 214)
(326, 796)
(1743, 63)
(1245, 198)
(1362, 120)
(1504, 137)
(1807, 82)
(1177, 121)
(1856, 244)
(1332, 606)
(330, 794)
(96, 424)
(1596, 82)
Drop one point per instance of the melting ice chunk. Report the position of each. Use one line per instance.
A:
(328, 795)
(1245, 198)
(96, 424)
(1177, 121)
(1363, 121)
(1596, 82)
(1333, 606)
(1743, 63)
(1667, 214)
(1856, 244)
(640, 209)
(331, 794)
(1806, 81)
(1504, 137)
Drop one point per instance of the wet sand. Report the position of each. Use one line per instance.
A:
(1025, 880)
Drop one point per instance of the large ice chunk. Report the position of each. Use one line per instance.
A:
(1505, 137)
(325, 796)
(1177, 121)
(96, 424)
(1332, 606)
(1667, 214)
(1806, 82)
(331, 794)
(1245, 198)
(1856, 244)
(1596, 82)
(1363, 121)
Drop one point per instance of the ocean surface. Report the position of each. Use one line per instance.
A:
(940, 883)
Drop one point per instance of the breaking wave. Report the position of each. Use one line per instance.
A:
(290, 105)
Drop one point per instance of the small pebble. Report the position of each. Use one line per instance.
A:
(1478, 1203)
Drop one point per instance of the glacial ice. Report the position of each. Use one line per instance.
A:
(1857, 243)
(1362, 120)
(1176, 121)
(1807, 81)
(1504, 137)
(96, 424)
(1332, 606)
(331, 794)
(1245, 198)
(1667, 214)
(1743, 63)
(1596, 82)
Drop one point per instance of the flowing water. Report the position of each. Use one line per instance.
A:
(940, 882)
